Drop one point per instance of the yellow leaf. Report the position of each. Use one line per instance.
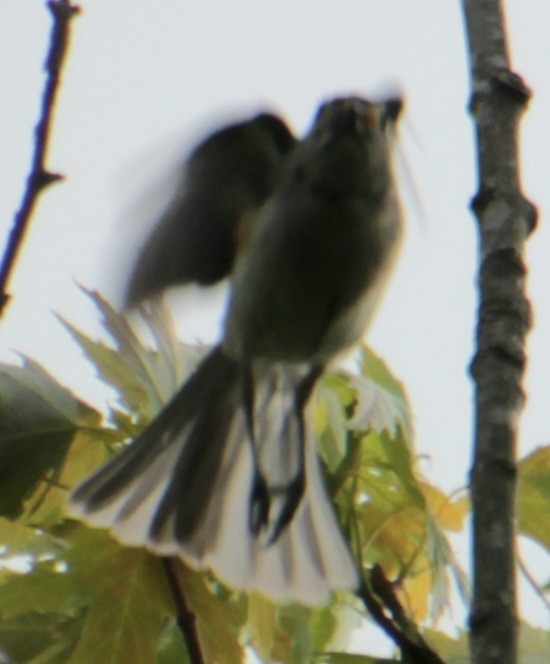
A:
(415, 595)
(399, 536)
(448, 512)
(262, 625)
(534, 496)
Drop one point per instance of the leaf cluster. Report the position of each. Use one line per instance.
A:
(71, 594)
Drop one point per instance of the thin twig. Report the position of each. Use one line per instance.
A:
(39, 177)
(187, 621)
(534, 584)
(379, 598)
(505, 219)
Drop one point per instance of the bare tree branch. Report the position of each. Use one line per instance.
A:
(185, 617)
(505, 220)
(378, 596)
(39, 177)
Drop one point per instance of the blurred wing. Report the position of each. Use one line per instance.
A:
(227, 177)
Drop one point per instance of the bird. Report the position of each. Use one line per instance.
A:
(307, 231)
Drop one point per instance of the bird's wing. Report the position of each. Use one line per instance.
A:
(226, 178)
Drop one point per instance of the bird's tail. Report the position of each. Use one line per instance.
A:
(188, 485)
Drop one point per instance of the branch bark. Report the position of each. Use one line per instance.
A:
(505, 219)
(379, 598)
(39, 177)
(185, 617)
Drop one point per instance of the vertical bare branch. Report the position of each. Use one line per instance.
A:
(505, 220)
(39, 177)
(185, 617)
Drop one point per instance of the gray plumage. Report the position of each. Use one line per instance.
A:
(227, 475)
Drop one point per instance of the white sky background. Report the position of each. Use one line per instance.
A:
(140, 79)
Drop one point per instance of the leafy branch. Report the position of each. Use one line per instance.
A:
(141, 610)
(39, 177)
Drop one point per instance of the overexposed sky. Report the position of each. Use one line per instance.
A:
(143, 78)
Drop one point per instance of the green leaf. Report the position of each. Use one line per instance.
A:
(374, 367)
(59, 652)
(343, 658)
(118, 371)
(38, 419)
(126, 619)
(262, 626)
(172, 648)
(45, 506)
(86, 453)
(331, 423)
(385, 460)
(440, 555)
(48, 402)
(221, 614)
(35, 637)
(338, 383)
(18, 539)
(377, 408)
(394, 518)
(400, 458)
(44, 589)
(144, 378)
(292, 633)
(121, 592)
(322, 626)
(534, 496)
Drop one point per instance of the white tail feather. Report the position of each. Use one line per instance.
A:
(310, 557)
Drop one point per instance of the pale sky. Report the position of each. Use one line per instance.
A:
(143, 78)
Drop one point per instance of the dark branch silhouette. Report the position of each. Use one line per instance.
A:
(186, 619)
(505, 219)
(39, 177)
(378, 596)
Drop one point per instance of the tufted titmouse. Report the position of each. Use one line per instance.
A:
(227, 476)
